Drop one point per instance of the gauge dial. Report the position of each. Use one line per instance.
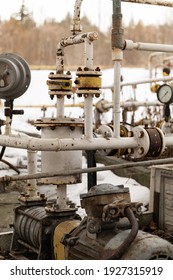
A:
(165, 94)
(14, 76)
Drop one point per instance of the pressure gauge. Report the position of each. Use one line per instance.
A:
(165, 94)
(15, 76)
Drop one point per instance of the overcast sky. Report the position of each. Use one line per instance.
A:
(98, 11)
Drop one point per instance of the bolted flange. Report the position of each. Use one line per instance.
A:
(60, 84)
(150, 142)
(88, 82)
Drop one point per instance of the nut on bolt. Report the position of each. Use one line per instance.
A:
(141, 151)
(141, 134)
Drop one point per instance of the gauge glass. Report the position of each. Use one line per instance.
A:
(165, 94)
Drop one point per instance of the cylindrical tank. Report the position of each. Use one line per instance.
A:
(62, 160)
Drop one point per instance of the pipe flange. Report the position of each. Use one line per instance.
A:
(150, 142)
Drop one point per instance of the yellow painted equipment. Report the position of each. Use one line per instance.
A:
(60, 230)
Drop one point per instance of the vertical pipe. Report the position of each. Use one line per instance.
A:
(116, 99)
(61, 196)
(76, 28)
(60, 107)
(88, 111)
(32, 169)
(88, 106)
(117, 46)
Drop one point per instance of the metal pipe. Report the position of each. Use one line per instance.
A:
(116, 99)
(32, 168)
(150, 61)
(41, 175)
(37, 144)
(168, 140)
(72, 40)
(88, 99)
(130, 45)
(117, 254)
(165, 3)
(145, 81)
(60, 107)
(76, 27)
(117, 56)
(168, 59)
(117, 30)
(132, 103)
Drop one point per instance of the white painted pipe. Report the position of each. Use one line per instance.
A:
(165, 3)
(60, 107)
(32, 168)
(88, 99)
(36, 144)
(72, 40)
(130, 45)
(76, 15)
(147, 81)
(144, 81)
(126, 104)
(169, 141)
(151, 56)
(116, 99)
(76, 27)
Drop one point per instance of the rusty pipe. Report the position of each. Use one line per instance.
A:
(72, 40)
(76, 27)
(120, 251)
(117, 30)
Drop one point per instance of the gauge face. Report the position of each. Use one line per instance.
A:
(165, 94)
(6, 74)
(14, 76)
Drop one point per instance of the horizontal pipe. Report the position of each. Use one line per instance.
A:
(126, 104)
(71, 144)
(40, 175)
(144, 81)
(130, 45)
(148, 81)
(56, 144)
(152, 2)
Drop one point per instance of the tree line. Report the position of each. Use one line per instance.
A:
(37, 44)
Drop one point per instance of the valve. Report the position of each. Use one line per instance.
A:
(60, 84)
(88, 82)
(15, 76)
